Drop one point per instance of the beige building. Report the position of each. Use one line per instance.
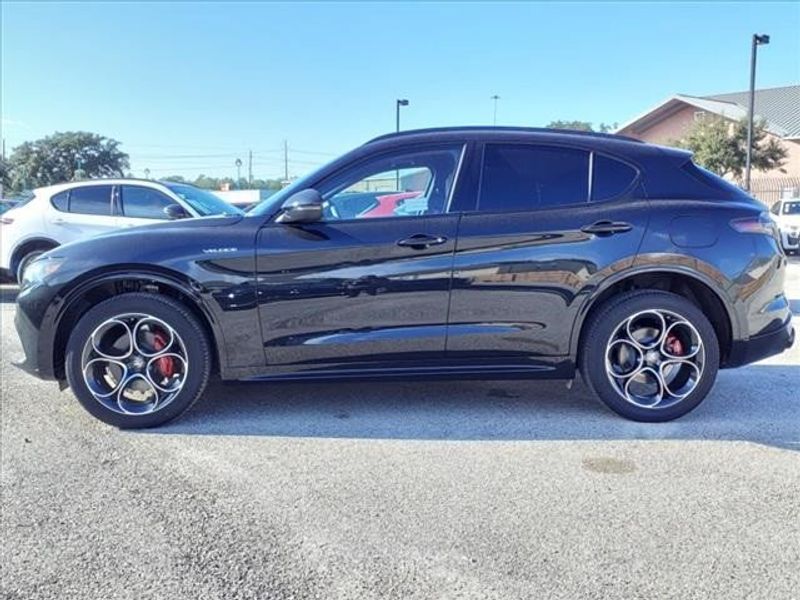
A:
(779, 107)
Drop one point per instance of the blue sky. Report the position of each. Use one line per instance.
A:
(187, 87)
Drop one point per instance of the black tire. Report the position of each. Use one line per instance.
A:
(26, 260)
(171, 312)
(605, 321)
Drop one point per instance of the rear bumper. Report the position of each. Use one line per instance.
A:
(761, 346)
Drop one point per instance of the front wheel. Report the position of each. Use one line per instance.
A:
(650, 355)
(138, 360)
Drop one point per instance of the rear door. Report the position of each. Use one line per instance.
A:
(549, 223)
(81, 212)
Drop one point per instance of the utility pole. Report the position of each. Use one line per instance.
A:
(286, 162)
(495, 98)
(250, 168)
(758, 40)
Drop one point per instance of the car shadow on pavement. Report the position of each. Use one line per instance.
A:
(760, 404)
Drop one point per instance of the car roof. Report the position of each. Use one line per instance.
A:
(55, 188)
(482, 131)
(619, 145)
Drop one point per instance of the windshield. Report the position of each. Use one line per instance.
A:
(204, 202)
(270, 205)
(791, 208)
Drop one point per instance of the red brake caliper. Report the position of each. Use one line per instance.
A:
(165, 364)
(674, 345)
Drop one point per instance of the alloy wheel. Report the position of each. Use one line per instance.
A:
(134, 364)
(654, 359)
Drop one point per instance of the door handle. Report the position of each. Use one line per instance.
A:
(58, 221)
(607, 227)
(420, 241)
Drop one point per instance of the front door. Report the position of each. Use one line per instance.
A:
(549, 223)
(370, 283)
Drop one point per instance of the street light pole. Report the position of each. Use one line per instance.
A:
(758, 40)
(495, 98)
(400, 102)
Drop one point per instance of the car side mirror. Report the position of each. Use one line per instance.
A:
(303, 207)
(175, 211)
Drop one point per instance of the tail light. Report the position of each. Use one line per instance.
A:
(761, 223)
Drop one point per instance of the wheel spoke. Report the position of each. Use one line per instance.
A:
(692, 377)
(694, 339)
(130, 405)
(619, 346)
(152, 322)
(642, 318)
(181, 374)
(643, 400)
(90, 381)
(104, 330)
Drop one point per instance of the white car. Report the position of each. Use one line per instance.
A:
(787, 216)
(67, 212)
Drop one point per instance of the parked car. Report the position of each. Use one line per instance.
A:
(787, 216)
(539, 254)
(387, 205)
(69, 212)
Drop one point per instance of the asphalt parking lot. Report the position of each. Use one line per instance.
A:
(404, 490)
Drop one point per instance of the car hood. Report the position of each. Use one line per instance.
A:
(148, 244)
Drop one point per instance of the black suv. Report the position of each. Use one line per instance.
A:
(482, 252)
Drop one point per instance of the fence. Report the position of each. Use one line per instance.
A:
(771, 189)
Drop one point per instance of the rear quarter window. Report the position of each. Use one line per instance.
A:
(60, 201)
(611, 178)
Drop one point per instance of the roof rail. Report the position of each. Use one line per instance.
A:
(489, 129)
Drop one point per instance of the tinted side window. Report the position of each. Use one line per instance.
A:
(61, 201)
(143, 203)
(405, 183)
(610, 178)
(90, 200)
(519, 178)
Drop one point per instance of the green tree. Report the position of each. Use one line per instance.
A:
(174, 178)
(575, 125)
(582, 126)
(5, 174)
(60, 157)
(721, 146)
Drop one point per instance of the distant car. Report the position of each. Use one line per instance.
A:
(59, 214)
(787, 216)
(390, 205)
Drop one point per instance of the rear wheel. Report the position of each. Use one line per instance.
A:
(650, 355)
(138, 360)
